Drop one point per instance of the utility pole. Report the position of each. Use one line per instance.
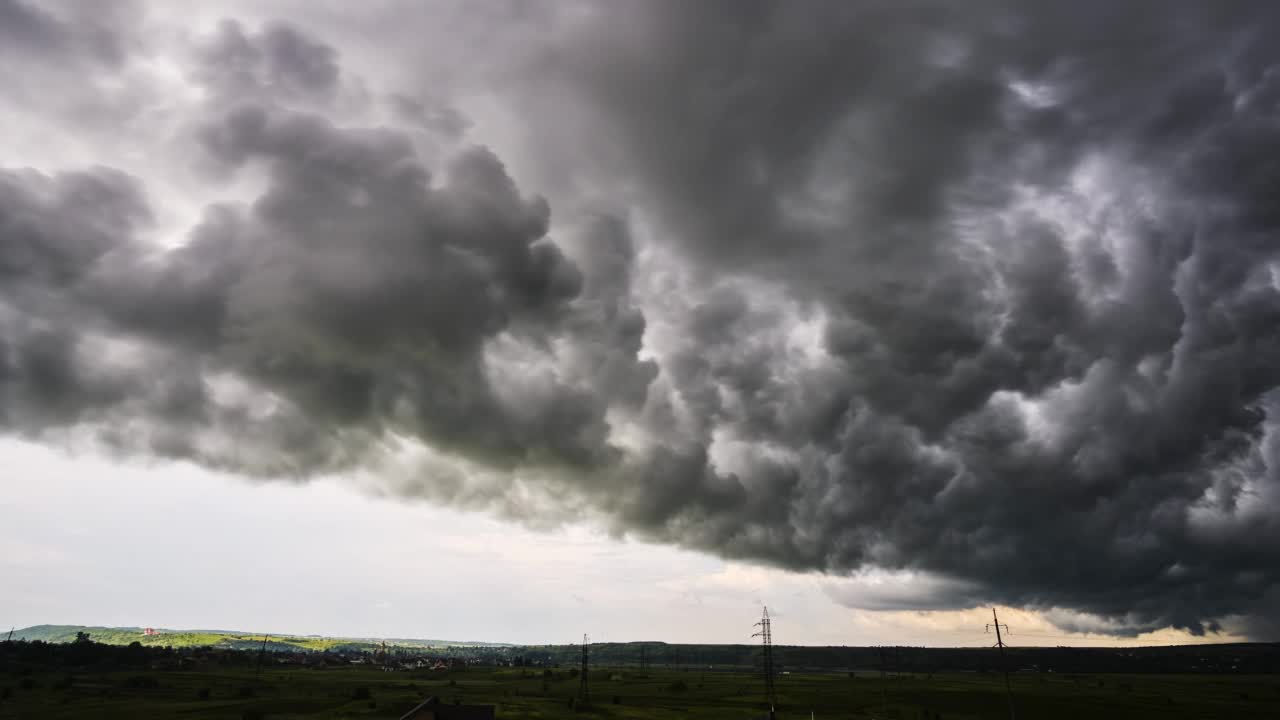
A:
(1008, 689)
(10, 638)
(261, 651)
(884, 687)
(643, 661)
(584, 699)
(766, 638)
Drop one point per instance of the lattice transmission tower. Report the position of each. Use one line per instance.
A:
(1000, 643)
(766, 639)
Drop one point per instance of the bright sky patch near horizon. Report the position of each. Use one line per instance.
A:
(177, 547)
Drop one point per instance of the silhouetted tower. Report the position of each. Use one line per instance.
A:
(1008, 689)
(584, 697)
(766, 639)
(644, 663)
(10, 638)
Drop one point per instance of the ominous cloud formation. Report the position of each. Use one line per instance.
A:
(279, 61)
(988, 293)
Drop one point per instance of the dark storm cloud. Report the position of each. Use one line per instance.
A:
(434, 117)
(871, 157)
(363, 292)
(987, 294)
(277, 61)
(66, 79)
(29, 32)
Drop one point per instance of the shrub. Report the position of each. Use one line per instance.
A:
(202, 694)
(361, 693)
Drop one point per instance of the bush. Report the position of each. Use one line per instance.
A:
(252, 714)
(678, 686)
(28, 683)
(202, 694)
(361, 693)
(246, 692)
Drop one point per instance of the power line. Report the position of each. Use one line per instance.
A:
(1008, 689)
(766, 636)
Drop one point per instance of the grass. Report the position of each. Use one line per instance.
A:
(199, 638)
(527, 695)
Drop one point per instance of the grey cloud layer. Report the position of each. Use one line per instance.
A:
(987, 293)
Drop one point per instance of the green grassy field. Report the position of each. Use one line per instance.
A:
(526, 694)
(219, 639)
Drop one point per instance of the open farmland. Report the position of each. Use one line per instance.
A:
(526, 693)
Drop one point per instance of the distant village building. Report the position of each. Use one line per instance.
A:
(149, 631)
(433, 709)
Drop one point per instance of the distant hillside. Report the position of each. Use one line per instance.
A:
(1199, 658)
(226, 639)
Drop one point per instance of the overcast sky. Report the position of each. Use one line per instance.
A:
(516, 320)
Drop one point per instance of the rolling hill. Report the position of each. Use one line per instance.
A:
(231, 639)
